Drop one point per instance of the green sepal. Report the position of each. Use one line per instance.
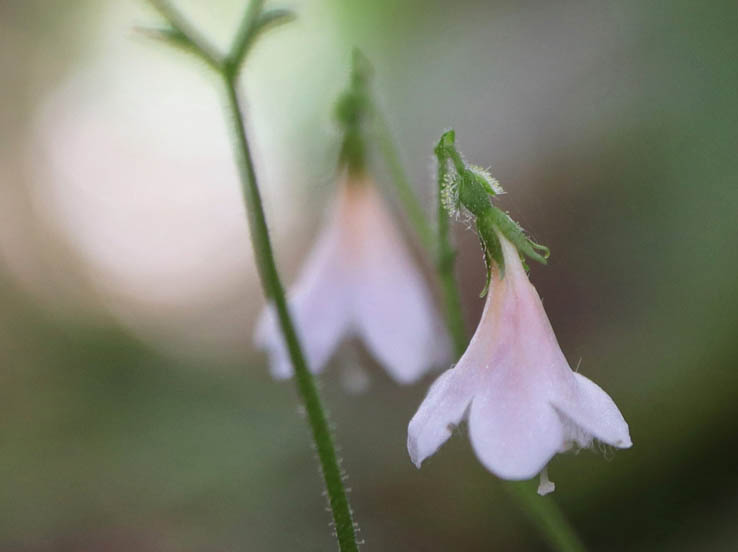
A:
(473, 194)
(485, 179)
(513, 232)
(484, 183)
(446, 141)
(352, 109)
(492, 249)
(487, 266)
(353, 152)
(473, 188)
(545, 250)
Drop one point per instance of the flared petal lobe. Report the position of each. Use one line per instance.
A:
(442, 410)
(514, 437)
(513, 427)
(393, 311)
(591, 409)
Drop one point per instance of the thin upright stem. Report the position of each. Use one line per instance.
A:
(344, 525)
(228, 68)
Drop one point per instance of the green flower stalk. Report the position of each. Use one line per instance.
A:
(182, 34)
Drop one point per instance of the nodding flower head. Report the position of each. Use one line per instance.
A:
(522, 401)
(360, 280)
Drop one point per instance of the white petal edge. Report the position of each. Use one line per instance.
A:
(393, 311)
(317, 304)
(590, 408)
(443, 408)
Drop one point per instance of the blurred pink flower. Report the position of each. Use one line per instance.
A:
(523, 402)
(360, 280)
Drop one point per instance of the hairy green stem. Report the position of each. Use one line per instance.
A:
(325, 448)
(228, 68)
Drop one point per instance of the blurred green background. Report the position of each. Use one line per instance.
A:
(134, 412)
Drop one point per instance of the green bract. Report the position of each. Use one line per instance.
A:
(469, 189)
(351, 111)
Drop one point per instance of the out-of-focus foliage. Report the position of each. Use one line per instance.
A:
(131, 419)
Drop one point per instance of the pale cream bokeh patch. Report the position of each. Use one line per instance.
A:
(132, 166)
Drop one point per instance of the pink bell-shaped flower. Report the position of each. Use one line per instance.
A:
(522, 401)
(360, 280)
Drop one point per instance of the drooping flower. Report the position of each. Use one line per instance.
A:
(360, 280)
(522, 401)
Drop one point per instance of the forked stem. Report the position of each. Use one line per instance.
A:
(228, 67)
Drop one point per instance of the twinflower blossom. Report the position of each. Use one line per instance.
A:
(360, 281)
(522, 401)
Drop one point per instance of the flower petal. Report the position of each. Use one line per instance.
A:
(393, 309)
(442, 408)
(589, 407)
(514, 432)
(320, 324)
(317, 304)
